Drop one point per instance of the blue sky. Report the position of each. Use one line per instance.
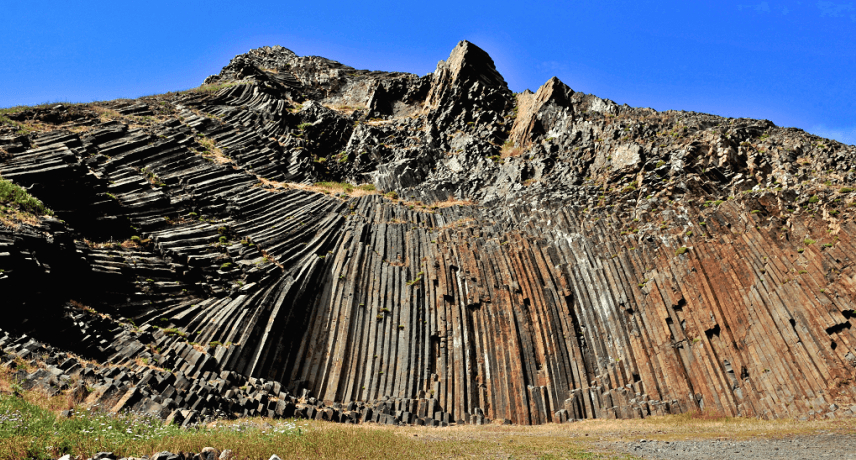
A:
(790, 62)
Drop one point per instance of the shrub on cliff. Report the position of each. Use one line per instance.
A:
(12, 193)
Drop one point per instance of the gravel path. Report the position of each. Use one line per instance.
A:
(813, 447)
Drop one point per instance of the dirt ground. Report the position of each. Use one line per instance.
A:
(804, 447)
(670, 437)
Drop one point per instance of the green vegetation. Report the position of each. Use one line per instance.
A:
(5, 120)
(174, 332)
(681, 250)
(809, 241)
(30, 431)
(12, 193)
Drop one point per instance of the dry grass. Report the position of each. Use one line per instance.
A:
(379, 122)
(212, 88)
(344, 108)
(106, 114)
(448, 203)
(127, 244)
(326, 188)
(8, 384)
(211, 152)
(26, 126)
(341, 187)
(91, 310)
(13, 218)
(574, 439)
(509, 150)
(460, 223)
(17, 206)
(80, 129)
(452, 201)
(143, 362)
(270, 258)
(258, 438)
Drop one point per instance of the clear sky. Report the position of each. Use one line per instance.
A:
(792, 62)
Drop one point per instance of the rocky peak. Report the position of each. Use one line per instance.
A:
(271, 58)
(547, 105)
(468, 65)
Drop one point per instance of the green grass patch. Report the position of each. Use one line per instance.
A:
(30, 431)
(12, 193)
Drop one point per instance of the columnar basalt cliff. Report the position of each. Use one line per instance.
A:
(299, 237)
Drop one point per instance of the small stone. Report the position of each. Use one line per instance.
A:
(226, 455)
(274, 457)
(165, 455)
(209, 453)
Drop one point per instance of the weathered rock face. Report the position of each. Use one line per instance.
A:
(545, 257)
(548, 107)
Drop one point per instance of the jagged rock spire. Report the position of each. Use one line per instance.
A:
(467, 65)
(550, 100)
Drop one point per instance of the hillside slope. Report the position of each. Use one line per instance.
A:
(297, 236)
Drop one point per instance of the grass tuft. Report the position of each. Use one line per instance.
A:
(10, 192)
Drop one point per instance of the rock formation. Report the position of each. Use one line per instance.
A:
(299, 237)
